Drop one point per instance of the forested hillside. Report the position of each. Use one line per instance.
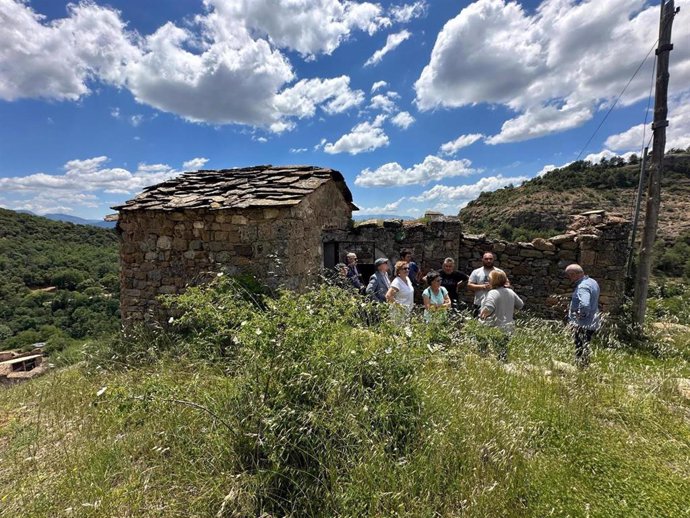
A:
(543, 206)
(58, 281)
(545, 203)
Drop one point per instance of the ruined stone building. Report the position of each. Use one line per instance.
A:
(266, 221)
(285, 224)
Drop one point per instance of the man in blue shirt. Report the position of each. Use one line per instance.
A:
(583, 313)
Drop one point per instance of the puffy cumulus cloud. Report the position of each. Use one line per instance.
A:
(194, 163)
(365, 136)
(233, 46)
(195, 85)
(392, 42)
(462, 194)
(45, 203)
(57, 60)
(309, 27)
(453, 146)
(432, 169)
(384, 102)
(382, 209)
(302, 98)
(605, 154)
(547, 168)
(677, 132)
(407, 12)
(403, 120)
(554, 67)
(378, 85)
(539, 121)
(83, 183)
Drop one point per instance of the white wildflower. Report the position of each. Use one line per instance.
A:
(258, 332)
(101, 391)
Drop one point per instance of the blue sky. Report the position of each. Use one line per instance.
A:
(421, 104)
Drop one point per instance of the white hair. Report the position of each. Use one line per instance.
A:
(449, 260)
(574, 268)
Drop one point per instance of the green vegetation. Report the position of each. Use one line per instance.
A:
(293, 406)
(673, 260)
(58, 281)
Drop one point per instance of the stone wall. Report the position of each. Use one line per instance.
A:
(595, 240)
(163, 252)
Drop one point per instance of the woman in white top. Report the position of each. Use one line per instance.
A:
(401, 293)
(500, 303)
(436, 299)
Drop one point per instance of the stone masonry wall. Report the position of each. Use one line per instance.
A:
(596, 241)
(163, 252)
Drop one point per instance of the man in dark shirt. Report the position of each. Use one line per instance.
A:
(453, 280)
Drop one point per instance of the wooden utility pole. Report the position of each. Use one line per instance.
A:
(644, 266)
(641, 186)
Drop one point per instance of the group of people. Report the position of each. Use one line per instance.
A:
(494, 301)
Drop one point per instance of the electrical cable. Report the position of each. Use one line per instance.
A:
(616, 101)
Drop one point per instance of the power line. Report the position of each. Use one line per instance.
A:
(616, 101)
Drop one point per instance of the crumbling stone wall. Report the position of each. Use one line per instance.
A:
(595, 240)
(162, 251)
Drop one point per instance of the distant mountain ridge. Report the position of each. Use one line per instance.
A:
(543, 205)
(68, 218)
(364, 217)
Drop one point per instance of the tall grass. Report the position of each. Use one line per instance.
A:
(316, 405)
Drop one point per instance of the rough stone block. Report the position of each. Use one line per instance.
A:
(526, 252)
(239, 220)
(164, 243)
(587, 257)
(542, 244)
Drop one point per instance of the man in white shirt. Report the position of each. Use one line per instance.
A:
(479, 280)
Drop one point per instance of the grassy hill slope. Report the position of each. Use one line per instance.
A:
(295, 407)
(543, 205)
(56, 280)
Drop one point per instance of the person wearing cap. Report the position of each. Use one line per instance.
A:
(353, 273)
(379, 281)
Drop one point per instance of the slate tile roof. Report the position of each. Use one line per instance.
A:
(258, 186)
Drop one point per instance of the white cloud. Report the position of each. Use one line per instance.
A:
(432, 169)
(465, 193)
(392, 42)
(555, 67)
(136, 120)
(377, 85)
(677, 132)
(194, 163)
(607, 154)
(365, 136)
(453, 146)
(57, 60)
(81, 184)
(443, 198)
(547, 168)
(383, 209)
(539, 121)
(298, 149)
(384, 102)
(406, 13)
(309, 27)
(302, 98)
(188, 70)
(403, 120)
